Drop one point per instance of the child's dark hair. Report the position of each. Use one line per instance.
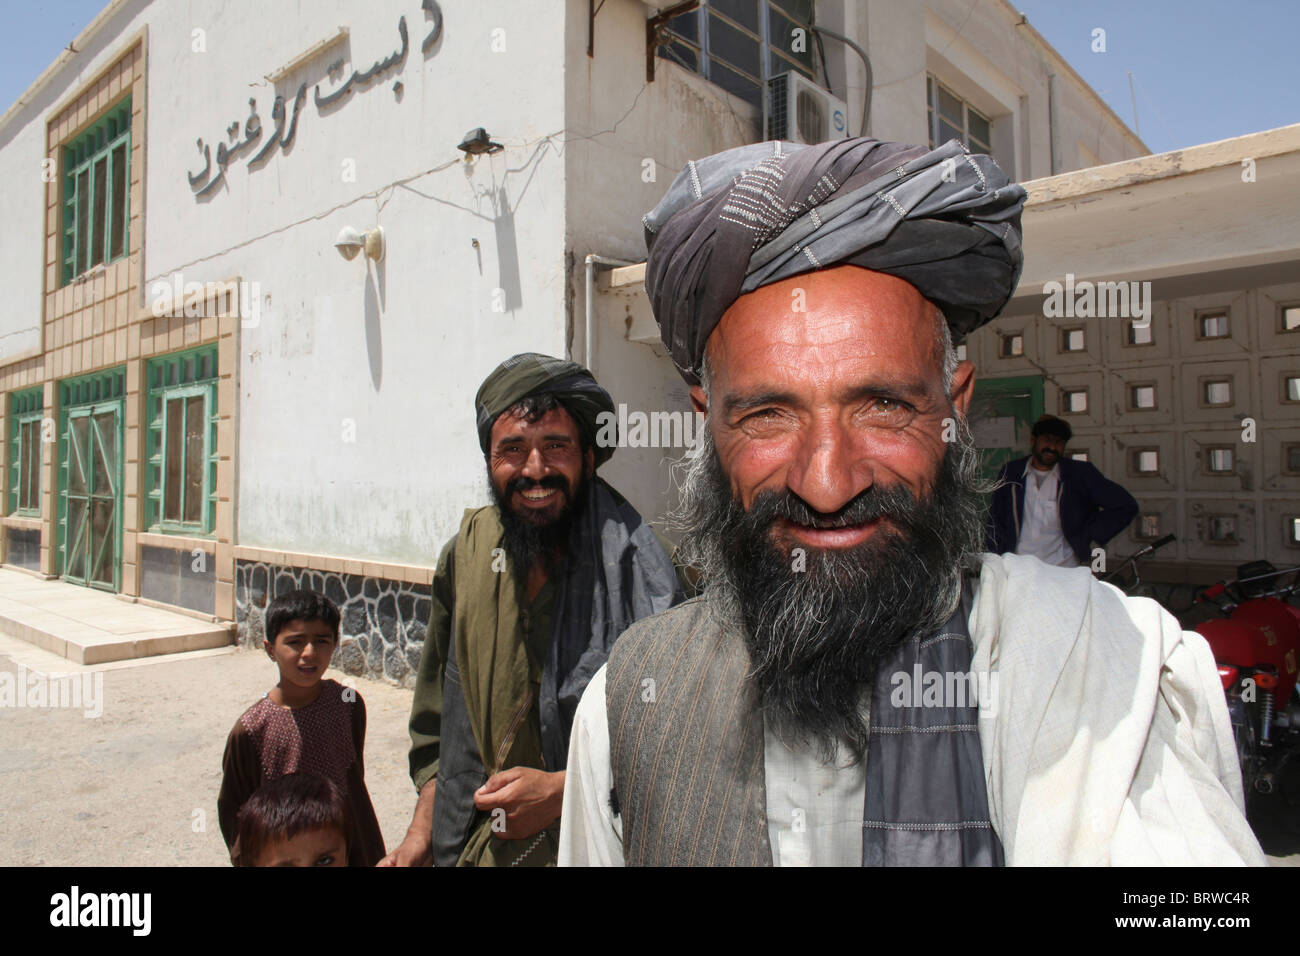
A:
(300, 606)
(287, 806)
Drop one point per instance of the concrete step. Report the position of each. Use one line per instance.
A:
(95, 627)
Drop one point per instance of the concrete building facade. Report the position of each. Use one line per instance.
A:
(1194, 406)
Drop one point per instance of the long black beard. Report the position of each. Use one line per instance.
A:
(528, 542)
(818, 623)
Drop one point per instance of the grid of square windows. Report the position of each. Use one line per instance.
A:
(1142, 397)
(1220, 460)
(1212, 325)
(1216, 391)
(1221, 529)
(1144, 461)
(1139, 333)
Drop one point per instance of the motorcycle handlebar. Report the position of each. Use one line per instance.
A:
(1167, 539)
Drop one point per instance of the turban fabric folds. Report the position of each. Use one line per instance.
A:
(944, 220)
(531, 373)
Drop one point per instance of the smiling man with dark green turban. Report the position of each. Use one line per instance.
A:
(528, 598)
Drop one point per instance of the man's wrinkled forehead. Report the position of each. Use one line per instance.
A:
(829, 318)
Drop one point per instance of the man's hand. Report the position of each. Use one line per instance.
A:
(530, 799)
(417, 848)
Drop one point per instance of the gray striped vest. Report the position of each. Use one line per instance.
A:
(686, 751)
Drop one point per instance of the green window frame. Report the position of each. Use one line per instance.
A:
(26, 415)
(181, 442)
(83, 400)
(97, 193)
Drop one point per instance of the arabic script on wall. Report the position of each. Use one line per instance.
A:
(285, 115)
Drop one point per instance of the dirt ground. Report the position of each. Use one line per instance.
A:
(138, 785)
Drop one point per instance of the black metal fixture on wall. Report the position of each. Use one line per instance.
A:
(477, 142)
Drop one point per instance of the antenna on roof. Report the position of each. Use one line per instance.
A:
(1133, 96)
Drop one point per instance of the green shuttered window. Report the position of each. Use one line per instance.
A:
(25, 416)
(181, 444)
(97, 193)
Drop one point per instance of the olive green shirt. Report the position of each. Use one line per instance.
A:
(426, 705)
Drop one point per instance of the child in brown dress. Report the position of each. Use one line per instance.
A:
(304, 723)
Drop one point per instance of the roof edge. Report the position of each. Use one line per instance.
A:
(1155, 166)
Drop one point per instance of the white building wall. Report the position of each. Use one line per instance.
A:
(356, 432)
(22, 147)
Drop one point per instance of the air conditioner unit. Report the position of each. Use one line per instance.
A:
(802, 112)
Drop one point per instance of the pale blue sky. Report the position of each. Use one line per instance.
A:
(1203, 70)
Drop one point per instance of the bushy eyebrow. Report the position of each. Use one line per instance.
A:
(744, 402)
(509, 439)
(909, 390)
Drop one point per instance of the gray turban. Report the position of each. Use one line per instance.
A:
(944, 220)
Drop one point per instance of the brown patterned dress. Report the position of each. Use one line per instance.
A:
(326, 737)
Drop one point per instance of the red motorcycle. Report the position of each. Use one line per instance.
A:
(1255, 638)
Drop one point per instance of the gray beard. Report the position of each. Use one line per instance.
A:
(817, 630)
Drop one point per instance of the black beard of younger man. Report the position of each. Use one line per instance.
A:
(1047, 457)
(531, 538)
(817, 636)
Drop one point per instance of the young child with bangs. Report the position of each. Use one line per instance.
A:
(300, 819)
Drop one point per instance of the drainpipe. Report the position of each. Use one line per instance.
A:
(1053, 126)
(589, 343)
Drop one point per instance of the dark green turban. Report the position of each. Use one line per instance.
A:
(528, 374)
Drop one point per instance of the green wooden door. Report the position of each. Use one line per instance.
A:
(91, 531)
(1003, 410)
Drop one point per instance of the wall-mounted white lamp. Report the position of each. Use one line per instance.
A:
(350, 242)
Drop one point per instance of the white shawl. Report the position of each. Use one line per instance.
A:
(1109, 743)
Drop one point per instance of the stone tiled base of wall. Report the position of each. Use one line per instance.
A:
(382, 626)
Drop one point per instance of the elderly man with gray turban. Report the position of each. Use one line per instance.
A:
(528, 598)
(858, 685)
